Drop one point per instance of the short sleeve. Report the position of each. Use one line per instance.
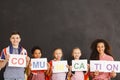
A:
(2, 55)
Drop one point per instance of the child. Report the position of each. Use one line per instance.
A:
(37, 74)
(13, 73)
(101, 51)
(76, 75)
(57, 57)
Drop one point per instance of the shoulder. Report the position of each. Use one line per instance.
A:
(50, 62)
(5, 50)
(108, 57)
(24, 51)
(22, 48)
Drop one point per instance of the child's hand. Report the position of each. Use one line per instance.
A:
(30, 65)
(96, 73)
(4, 62)
(88, 67)
(7, 56)
(27, 60)
(70, 68)
(67, 66)
(113, 74)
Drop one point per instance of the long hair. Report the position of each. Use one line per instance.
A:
(94, 54)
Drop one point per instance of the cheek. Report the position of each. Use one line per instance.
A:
(103, 49)
(80, 55)
(40, 55)
(61, 55)
(75, 56)
(55, 55)
(11, 40)
(97, 49)
(18, 40)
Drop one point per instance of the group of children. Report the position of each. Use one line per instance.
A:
(100, 51)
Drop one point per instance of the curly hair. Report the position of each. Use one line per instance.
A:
(34, 48)
(94, 54)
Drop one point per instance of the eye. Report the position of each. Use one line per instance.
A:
(12, 38)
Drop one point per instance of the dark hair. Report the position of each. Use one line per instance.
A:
(15, 33)
(94, 54)
(34, 48)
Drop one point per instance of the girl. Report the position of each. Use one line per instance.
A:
(37, 74)
(76, 75)
(57, 57)
(101, 51)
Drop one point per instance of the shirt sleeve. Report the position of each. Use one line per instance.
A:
(2, 55)
(24, 52)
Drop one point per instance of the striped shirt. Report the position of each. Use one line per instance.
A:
(13, 72)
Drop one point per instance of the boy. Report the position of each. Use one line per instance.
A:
(13, 73)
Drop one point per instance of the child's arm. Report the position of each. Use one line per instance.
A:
(48, 69)
(113, 74)
(27, 60)
(28, 69)
(88, 68)
(69, 74)
(50, 72)
(4, 61)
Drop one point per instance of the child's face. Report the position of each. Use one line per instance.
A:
(100, 47)
(58, 54)
(37, 53)
(15, 39)
(76, 54)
